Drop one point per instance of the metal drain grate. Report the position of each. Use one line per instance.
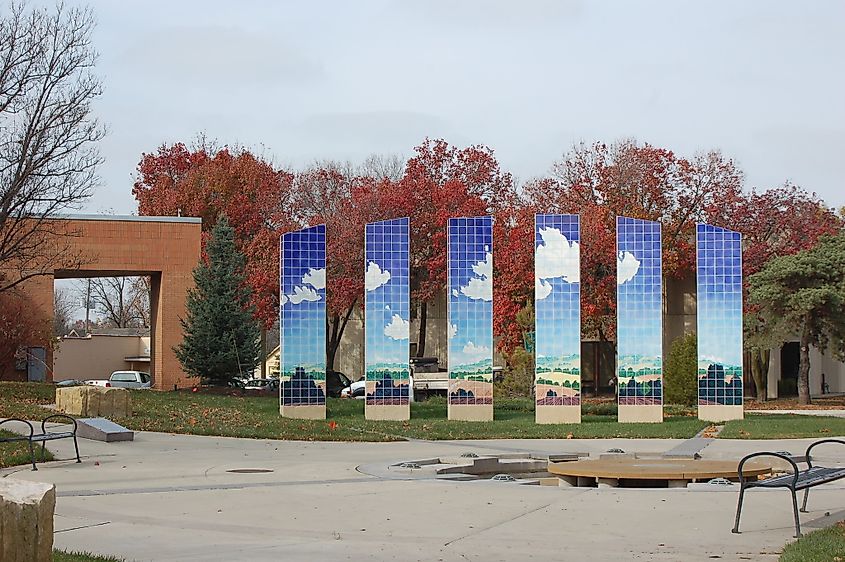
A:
(250, 470)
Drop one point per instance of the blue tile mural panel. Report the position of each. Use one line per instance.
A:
(557, 304)
(470, 313)
(303, 317)
(387, 312)
(639, 291)
(719, 284)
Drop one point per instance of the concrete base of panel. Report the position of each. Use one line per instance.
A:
(304, 412)
(390, 413)
(717, 413)
(557, 414)
(641, 413)
(471, 412)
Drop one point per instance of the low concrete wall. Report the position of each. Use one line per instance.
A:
(26, 521)
(94, 401)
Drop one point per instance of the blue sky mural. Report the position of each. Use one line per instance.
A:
(719, 284)
(639, 291)
(387, 311)
(470, 316)
(303, 316)
(557, 302)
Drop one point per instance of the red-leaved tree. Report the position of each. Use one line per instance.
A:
(440, 182)
(626, 178)
(775, 222)
(255, 197)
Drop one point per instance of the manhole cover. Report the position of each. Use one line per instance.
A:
(503, 478)
(469, 455)
(249, 470)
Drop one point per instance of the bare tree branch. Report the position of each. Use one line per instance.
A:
(48, 136)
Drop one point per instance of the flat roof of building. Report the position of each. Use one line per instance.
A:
(128, 218)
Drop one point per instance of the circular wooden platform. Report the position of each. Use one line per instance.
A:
(610, 471)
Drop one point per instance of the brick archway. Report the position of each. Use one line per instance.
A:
(165, 248)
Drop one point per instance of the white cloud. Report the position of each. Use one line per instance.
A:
(474, 353)
(397, 329)
(387, 307)
(484, 268)
(303, 293)
(481, 286)
(557, 257)
(627, 266)
(454, 292)
(316, 278)
(453, 330)
(542, 289)
(283, 300)
(375, 277)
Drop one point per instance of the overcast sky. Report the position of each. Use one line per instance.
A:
(301, 81)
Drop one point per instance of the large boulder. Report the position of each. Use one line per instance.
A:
(94, 401)
(26, 520)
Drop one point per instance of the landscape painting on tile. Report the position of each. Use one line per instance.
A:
(302, 305)
(719, 283)
(557, 304)
(387, 319)
(470, 317)
(639, 289)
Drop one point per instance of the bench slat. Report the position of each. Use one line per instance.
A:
(51, 436)
(806, 478)
(15, 438)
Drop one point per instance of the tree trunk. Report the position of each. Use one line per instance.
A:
(758, 374)
(336, 325)
(332, 325)
(765, 357)
(263, 352)
(804, 365)
(423, 322)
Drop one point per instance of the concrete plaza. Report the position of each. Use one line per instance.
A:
(170, 497)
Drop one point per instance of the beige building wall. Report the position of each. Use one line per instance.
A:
(679, 306)
(834, 373)
(350, 356)
(98, 355)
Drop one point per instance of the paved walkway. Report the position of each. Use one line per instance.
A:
(834, 413)
(170, 497)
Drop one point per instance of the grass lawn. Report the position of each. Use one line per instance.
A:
(22, 399)
(208, 414)
(204, 413)
(65, 556)
(783, 426)
(17, 453)
(824, 545)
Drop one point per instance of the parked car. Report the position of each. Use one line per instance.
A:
(358, 389)
(124, 379)
(262, 384)
(70, 382)
(355, 390)
(335, 383)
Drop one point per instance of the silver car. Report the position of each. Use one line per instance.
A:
(129, 379)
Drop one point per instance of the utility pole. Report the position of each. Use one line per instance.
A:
(88, 308)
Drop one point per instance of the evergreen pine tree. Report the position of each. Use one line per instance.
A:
(221, 333)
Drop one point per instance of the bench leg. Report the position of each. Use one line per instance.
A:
(738, 510)
(795, 512)
(43, 450)
(804, 503)
(32, 456)
(76, 446)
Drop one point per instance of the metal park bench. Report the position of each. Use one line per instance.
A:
(797, 480)
(43, 437)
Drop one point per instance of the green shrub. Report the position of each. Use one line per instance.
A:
(519, 375)
(680, 372)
